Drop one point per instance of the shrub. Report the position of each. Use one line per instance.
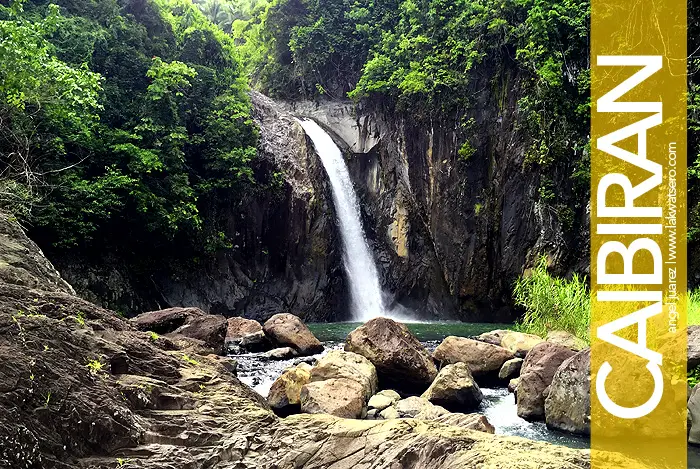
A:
(694, 306)
(553, 303)
(95, 366)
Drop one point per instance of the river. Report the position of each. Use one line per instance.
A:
(498, 405)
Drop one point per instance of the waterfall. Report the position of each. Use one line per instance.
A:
(366, 293)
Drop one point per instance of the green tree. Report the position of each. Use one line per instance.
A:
(44, 103)
(132, 122)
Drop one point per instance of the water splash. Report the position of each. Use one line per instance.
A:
(365, 290)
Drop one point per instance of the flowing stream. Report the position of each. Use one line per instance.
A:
(498, 406)
(365, 291)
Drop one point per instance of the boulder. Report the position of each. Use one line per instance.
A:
(285, 394)
(240, 327)
(568, 404)
(419, 408)
(693, 346)
(192, 323)
(22, 264)
(567, 339)
(389, 413)
(282, 353)
(493, 337)
(513, 385)
(383, 399)
(400, 359)
(165, 321)
(210, 329)
(484, 359)
(322, 441)
(510, 369)
(520, 343)
(254, 342)
(287, 330)
(476, 422)
(341, 397)
(694, 417)
(536, 374)
(454, 388)
(339, 364)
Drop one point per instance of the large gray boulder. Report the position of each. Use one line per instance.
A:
(240, 327)
(455, 389)
(191, 323)
(693, 346)
(401, 361)
(520, 343)
(341, 397)
(510, 369)
(568, 404)
(340, 364)
(419, 408)
(536, 375)
(210, 329)
(694, 417)
(484, 359)
(165, 321)
(383, 399)
(253, 342)
(287, 330)
(492, 337)
(567, 339)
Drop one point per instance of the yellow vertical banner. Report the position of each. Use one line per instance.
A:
(638, 232)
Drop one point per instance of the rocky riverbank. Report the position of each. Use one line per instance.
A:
(384, 372)
(85, 388)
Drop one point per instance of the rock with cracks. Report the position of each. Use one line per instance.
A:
(401, 361)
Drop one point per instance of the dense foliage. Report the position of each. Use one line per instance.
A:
(433, 61)
(431, 58)
(125, 123)
(122, 123)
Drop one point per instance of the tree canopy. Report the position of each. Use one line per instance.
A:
(121, 117)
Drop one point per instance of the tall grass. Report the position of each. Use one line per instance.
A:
(694, 307)
(553, 303)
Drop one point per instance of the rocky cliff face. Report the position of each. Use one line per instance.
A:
(450, 231)
(285, 255)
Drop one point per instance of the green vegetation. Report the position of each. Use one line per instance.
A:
(125, 125)
(552, 303)
(154, 336)
(693, 307)
(95, 366)
(694, 376)
(80, 319)
(187, 359)
(437, 61)
(125, 119)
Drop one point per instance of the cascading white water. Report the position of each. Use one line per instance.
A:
(366, 293)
